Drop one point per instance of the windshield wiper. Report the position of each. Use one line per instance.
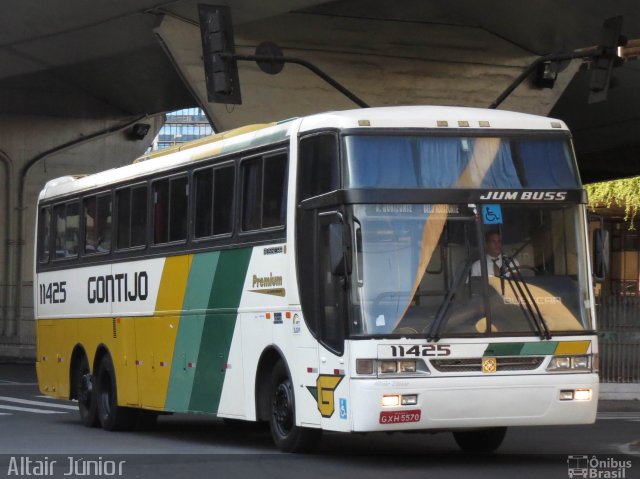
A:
(523, 294)
(440, 321)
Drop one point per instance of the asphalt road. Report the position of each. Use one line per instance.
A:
(37, 428)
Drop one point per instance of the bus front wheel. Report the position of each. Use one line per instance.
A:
(85, 393)
(282, 419)
(112, 417)
(480, 440)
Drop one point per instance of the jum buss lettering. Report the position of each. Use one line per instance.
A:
(118, 288)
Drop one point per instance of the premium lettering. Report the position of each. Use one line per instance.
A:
(118, 288)
(267, 281)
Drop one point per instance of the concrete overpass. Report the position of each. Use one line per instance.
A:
(76, 77)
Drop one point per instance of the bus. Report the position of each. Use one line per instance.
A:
(326, 273)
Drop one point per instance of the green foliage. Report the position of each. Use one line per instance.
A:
(624, 193)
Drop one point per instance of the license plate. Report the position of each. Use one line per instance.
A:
(395, 417)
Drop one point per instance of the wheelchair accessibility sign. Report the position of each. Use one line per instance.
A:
(343, 408)
(491, 214)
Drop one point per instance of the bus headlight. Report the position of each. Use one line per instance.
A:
(387, 367)
(580, 362)
(391, 367)
(582, 395)
(569, 363)
(559, 362)
(364, 366)
(407, 366)
(391, 400)
(576, 395)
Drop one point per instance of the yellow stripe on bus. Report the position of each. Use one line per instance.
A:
(156, 335)
(572, 347)
(173, 284)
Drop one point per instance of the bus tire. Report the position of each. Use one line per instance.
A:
(480, 440)
(112, 417)
(282, 418)
(85, 393)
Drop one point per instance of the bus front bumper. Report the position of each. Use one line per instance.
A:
(473, 402)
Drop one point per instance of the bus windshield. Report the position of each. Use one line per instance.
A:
(540, 161)
(419, 264)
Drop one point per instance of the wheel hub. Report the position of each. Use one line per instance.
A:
(86, 388)
(283, 407)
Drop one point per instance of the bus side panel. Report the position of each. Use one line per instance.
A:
(156, 335)
(118, 336)
(185, 354)
(55, 345)
(214, 287)
(123, 352)
(270, 320)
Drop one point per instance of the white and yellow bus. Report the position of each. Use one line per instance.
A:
(325, 273)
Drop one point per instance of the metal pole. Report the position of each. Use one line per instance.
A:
(299, 61)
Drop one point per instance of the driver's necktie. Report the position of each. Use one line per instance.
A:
(496, 268)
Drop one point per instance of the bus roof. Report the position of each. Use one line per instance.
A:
(435, 117)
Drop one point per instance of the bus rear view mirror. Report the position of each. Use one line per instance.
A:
(600, 254)
(340, 249)
(336, 249)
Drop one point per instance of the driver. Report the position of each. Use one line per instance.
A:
(494, 256)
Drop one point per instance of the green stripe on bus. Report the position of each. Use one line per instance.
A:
(218, 330)
(199, 284)
(520, 349)
(503, 349)
(539, 349)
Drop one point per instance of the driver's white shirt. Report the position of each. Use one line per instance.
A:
(476, 271)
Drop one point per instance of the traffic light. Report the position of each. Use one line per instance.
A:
(220, 67)
(606, 60)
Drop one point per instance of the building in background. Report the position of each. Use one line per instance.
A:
(182, 126)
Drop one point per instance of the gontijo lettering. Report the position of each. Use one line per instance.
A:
(117, 288)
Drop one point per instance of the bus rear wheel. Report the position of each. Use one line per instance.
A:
(112, 417)
(282, 419)
(480, 440)
(85, 393)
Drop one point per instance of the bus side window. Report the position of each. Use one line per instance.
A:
(59, 218)
(104, 223)
(44, 234)
(251, 194)
(131, 207)
(318, 168)
(72, 229)
(97, 224)
(66, 223)
(123, 208)
(170, 209)
(178, 208)
(138, 225)
(214, 201)
(275, 190)
(161, 211)
(203, 184)
(264, 191)
(90, 225)
(223, 187)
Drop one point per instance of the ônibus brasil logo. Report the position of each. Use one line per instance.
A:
(592, 467)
